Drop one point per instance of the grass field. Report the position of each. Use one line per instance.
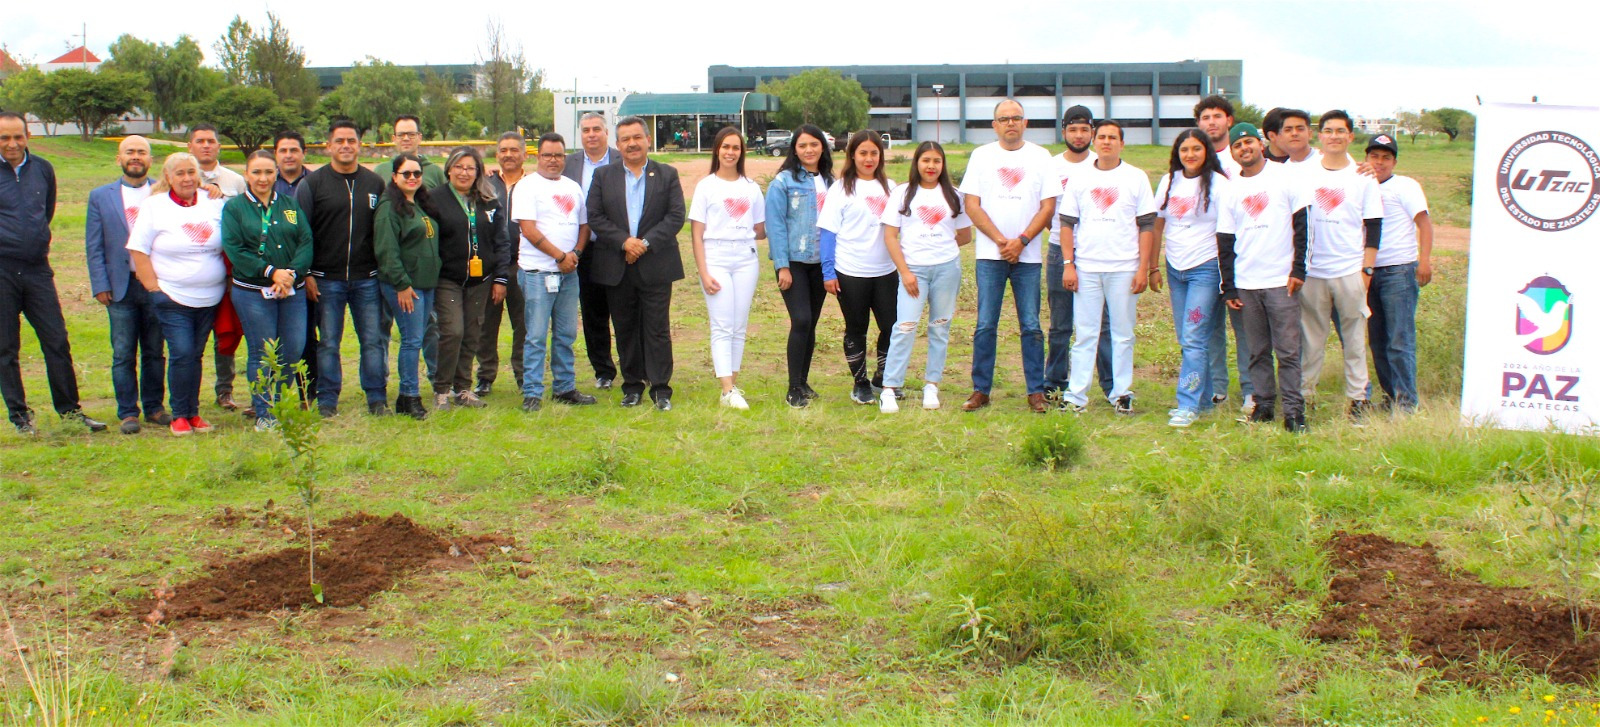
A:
(777, 566)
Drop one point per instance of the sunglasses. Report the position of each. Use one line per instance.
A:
(410, 174)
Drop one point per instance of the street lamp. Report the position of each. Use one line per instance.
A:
(938, 111)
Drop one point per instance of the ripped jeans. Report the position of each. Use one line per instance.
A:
(937, 286)
(1194, 316)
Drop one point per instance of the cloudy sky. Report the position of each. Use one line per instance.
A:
(1369, 57)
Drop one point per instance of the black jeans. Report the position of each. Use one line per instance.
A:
(489, 339)
(642, 315)
(595, 310)
(859, 300)
(31, 291)
(804, 300)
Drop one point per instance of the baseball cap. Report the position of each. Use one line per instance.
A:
(1078, 115)
(1384, 142)
(1242, 130)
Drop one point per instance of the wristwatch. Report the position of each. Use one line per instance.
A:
(1025, 239)
(1367, 272)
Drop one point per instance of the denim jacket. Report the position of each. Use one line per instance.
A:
(792, 219)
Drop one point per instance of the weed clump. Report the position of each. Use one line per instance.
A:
(1055, 443)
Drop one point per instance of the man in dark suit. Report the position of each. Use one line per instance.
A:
(138, 363)
(581, 165)
(636, 211)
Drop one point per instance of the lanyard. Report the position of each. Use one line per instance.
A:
(472, 227)
(266, 222)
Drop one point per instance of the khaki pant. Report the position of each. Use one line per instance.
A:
(1320, 301)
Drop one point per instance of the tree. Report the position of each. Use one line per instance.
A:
(177, 78)
(25, 93)
(91, 98)
(1409, 123)
(233, 51)
(248, 116)
(438, 104)
(374, 93)
(505, 80)
(541, 106)
(1448, 121)
(275, 62)
(819, 96)
(1248, 113)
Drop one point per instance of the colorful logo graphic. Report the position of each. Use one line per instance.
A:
(1544, 316)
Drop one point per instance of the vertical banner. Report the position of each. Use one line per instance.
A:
(1533, 281)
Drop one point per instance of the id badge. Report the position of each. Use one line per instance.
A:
(552, 283)
(475, 266)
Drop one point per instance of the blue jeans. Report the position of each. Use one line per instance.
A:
(1195, 293)
(1100, 294)
(186, 330)
(430, 340)
(937, 286)
(363, 298)
(992, 277)
(1392, 331)
(555, 314)
(413, 327)
(264, 320)
(138, 358)
(1058, 358)
(1219, 351)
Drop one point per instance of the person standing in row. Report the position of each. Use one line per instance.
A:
(1214, 116)
(406, 136)
(176, 250)
(1077, 132)
(1187, 222)
(1272, 127)
(1011, 192)
(636, 210)
(1404, 264)
(924, 227)
(726, 218)
(138, 358)
(475, 263)
(405, 240)
(511, 156)
(1294, 137)
(1107, 221)
(1261, 252)
(268, 242)
(594, 308)
(219, 182)
(339, 199)
(289, 150)
(553, 218)
(794, 199)
(855, 264)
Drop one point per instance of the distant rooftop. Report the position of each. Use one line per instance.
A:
(77, 55)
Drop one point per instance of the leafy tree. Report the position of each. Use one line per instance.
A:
(1248, 113)
(502, 95)
(463, 125)
(819, 96)
(1409, 123)
(1448, 121)
(246, 115)
(275, 62)
(541, 106)
(375, 92)
(438, 105)
(233, 51)
(91, 98)
(24, 92)
(177, 78)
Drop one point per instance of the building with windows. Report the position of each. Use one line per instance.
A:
(955, 103)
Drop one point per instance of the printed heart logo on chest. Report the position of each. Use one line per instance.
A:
(1104, 197)
(1063, 184)
(930, 216)
(876, 204)
(1180, 206)
(1329, 199)
(131, 214)
(1255, 204)
(198, 232)
(737, 207)
(821, 197)
(565, 202)
(1011, 176)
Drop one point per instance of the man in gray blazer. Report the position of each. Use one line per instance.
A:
(581, 165)
(135, 332)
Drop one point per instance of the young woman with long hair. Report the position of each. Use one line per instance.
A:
(405, 239)
(1187, 225)
(855, 263)
(726, 218)
(794, 199)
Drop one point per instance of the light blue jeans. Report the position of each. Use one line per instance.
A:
(554, 314)
(1098, 293)
(937, 286)
(1195, 293)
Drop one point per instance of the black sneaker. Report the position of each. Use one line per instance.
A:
(130, 425)
(603, 383)
(1263, 413)
(25, 427)
(1359, 408)
(327, 412)
(1218, 399)
(574, 398)
(1124, 405)
(482, 389)
(632, 400)
(77, 415)
(810, 392)
(797, 398)
(530, 403)
(378, 408)
(664, 403)
(861, 393)
(1295, 423)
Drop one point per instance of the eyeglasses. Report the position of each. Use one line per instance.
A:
(407, 135)
(1010, 119)
(468, 168)
(552, 157)
(410, 174)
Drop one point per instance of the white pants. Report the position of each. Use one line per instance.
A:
(1098, 292)
(1321, 301)
(734, 265)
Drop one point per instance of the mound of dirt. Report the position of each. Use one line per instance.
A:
(357, 556)
(1401, 592)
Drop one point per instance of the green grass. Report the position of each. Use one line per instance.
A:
(785, 567)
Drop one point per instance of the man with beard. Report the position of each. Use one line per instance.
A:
(1077, 132)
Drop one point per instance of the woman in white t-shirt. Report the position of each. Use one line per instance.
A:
(176, 249)
(855, 264)
(924, 227)
(1187, 223)
(726, 218)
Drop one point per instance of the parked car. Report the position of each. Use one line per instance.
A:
(781, 147)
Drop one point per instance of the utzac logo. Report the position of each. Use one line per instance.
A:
(1544, 316)
(1549, 181)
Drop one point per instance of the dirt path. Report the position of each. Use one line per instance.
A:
(691, 172)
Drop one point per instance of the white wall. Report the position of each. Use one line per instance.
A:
(570, 107)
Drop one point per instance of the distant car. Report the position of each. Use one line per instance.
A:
(780, 148)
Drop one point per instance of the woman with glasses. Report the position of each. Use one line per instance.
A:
(475, 266)
(405, 238)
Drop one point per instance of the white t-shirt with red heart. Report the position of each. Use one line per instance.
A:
(1107, 203)
(1259, 212)
(1338, 202)
(729, 210)
(856, 222)
(1010, 186)
(1065, 171)
(1190, 221)
(132, 197)
(185, 247)
(928, 234)
(557, 207)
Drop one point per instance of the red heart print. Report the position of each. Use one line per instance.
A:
(930, 216)
(1255, 204)
(1063, 184)
(198, 232)
(821, 197)
(565, 202)
(1011, 176)
(1181, 206)
(737, 207)
(131, 214)
(1104, 197)
(1329, 198)
(876, 204)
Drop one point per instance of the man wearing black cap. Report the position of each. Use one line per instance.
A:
(1402, 266)
(1261, 250)
(1077, 131)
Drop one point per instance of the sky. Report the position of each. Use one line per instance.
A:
(1371, 58)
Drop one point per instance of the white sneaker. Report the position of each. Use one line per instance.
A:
(1183, 418)
(1249, 405)
(930, 396)
(734, 399)
(887, 403)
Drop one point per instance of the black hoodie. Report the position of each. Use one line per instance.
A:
(340, 208)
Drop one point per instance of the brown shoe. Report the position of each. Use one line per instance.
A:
(1036, 403)
(226, 401)
(977, 401)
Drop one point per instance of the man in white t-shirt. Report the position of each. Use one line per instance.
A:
(1345, 222)
(1402, 267)
(218, 181)
(1261, 252)
(1077, 132)
(1108, 216)
(1010, 193)
(1214, 117)
(1294, 137)
(551, 213)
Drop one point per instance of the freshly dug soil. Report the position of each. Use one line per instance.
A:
(1401, 592)
(358, 555)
